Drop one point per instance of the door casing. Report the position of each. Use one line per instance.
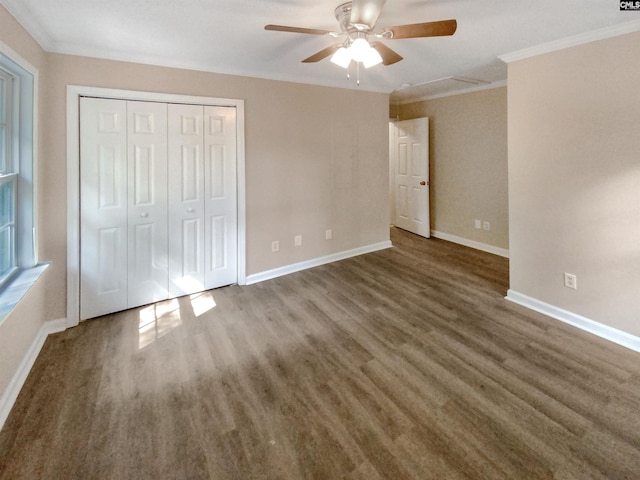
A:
(411, 171)
(74, 93)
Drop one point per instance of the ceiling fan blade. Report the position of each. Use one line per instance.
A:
(389, 57)
(311, 31)
(428, 29)
(365, 13)
(324, 53)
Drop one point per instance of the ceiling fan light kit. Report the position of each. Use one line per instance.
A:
(372, 58)
(359, 51)
(357, 21)
(342, 57)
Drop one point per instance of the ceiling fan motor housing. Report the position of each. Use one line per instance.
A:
(343, 15)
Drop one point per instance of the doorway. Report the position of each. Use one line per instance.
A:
(409, 175)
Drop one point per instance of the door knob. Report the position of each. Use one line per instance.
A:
(144, 214)
(190, 210)
(423, 182)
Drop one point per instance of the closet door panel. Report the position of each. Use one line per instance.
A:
(221, 196)
(148, 269)
(103, 207)
(186, 200)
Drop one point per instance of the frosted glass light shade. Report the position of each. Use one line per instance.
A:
(359, 49)
(341, 57)
(372, 58)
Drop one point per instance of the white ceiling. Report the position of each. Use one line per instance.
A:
(228, 36)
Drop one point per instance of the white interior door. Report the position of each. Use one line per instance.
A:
(148, 270)
(221, 204)
(103, 207)
(186, 199)
(158, 202)
(412, 176)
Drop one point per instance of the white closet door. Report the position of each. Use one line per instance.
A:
(221, 197)
(186, 199)
(158, 202)
(103, 207)
(148, 269)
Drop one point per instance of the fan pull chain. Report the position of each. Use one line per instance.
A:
(358, 73)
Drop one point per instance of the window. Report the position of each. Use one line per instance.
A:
(8, 179)
(17, 178)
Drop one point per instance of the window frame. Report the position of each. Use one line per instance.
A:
(8, 170)
(7, 276)
(20, 170)
(7, 119)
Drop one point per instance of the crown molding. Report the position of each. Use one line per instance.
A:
(25, 18)
(573, 41)
(478, 88)
(28, 21)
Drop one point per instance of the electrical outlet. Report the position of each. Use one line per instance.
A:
(478, 224)
(486, 225)
(570, 281)
(297, 240)
(328, 234)
(275, 246)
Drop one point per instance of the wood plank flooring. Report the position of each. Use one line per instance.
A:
(401, 364)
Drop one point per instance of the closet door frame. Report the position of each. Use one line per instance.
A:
(74, 93)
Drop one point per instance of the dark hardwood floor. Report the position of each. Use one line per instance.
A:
(401, 364)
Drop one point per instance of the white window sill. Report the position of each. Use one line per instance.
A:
(19, 286)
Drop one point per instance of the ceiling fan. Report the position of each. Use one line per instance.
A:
(357, 21)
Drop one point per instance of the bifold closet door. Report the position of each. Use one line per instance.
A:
(123, 208)
(103, 207)
(158, 202)
(221, 205)
(202, 198)
(148, 267)
(186, 199)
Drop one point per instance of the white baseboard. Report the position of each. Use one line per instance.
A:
(604, 331)
(470, 243)
(296, 267)
(20, 376)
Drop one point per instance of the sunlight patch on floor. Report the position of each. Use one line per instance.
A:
(202, 303)
(157, 320)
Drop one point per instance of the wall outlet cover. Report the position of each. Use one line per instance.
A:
(570, 281)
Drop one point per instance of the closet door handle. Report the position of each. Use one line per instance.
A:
(190, 210)
(144, 214)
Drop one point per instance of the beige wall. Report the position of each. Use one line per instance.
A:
(294, 182)
(574, 179)
(18, 330)
(468, 155)
(316, 159)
